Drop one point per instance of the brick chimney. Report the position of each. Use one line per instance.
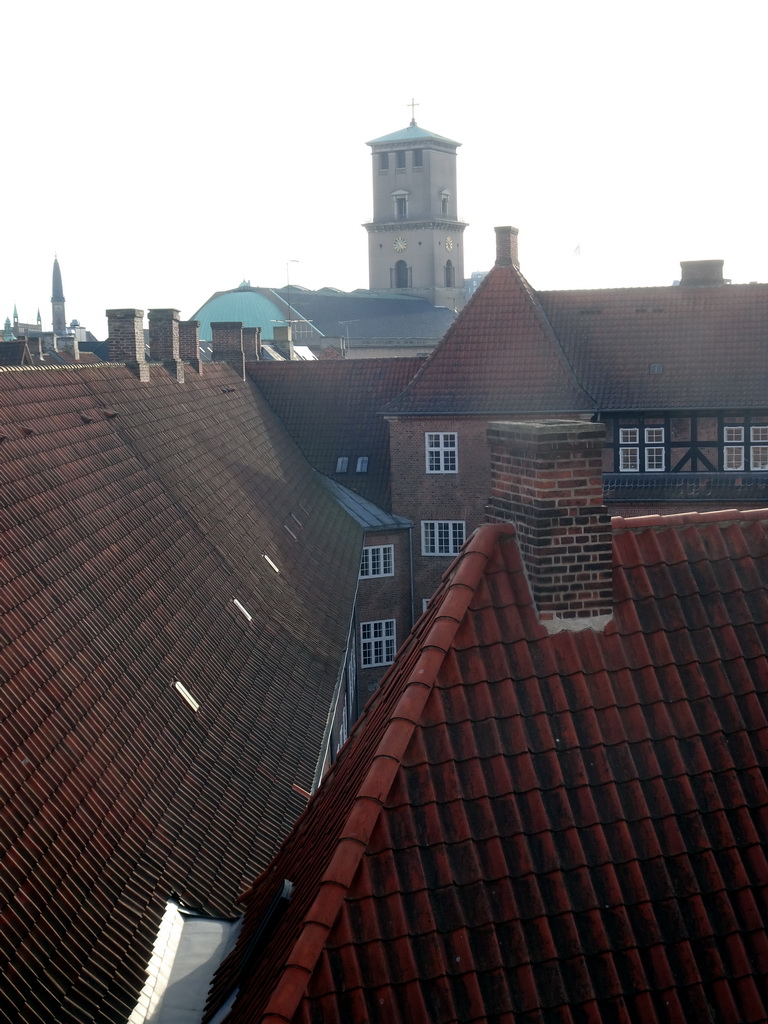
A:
(126, 340)
(699, 272)
(546, 478)
(506, 247)
(252, 343)
(189, 343)
(227, 345)
(164, 340)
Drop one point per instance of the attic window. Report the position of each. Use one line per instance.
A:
(656, 368)
(270, 562)
(362, 464)
(242, 609)
(342, 464)
(181, 689)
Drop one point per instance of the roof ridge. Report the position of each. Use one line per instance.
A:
(685, 518)
(461, 580)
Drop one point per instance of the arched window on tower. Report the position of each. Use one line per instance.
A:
(401, 275)
(450, 275)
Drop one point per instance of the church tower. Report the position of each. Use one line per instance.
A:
(415, 240)
(57, 301)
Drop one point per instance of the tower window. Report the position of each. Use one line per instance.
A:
(401, 275)
(445, 195)
(383, 163)
(400, 160)
(401, 207)
(418, 158)
(450, 275)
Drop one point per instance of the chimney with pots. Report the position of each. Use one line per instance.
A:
(189, 343)
(227, 345)
(546, 478)
(506, 247)
(126, 340)
(701, 272)
(164, 340)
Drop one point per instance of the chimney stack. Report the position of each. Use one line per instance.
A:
(699, 272)
(227, 345)
(164, 340)
(546, 478)
(506, 247)
(126, 340)
(252, 343)
(189, 343)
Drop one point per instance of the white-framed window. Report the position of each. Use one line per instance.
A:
(442, 452)
(758, 456)
(442, 536)
(654, 435)
(362, 464)
(759, 434)
(733, 457)
(654, 460)
(629, 435)
(378, 560)
(629, 460)
(377, 642)
(342, 463)
(733, 435)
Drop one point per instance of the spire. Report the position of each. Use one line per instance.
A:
(57, 301)
(58, 290)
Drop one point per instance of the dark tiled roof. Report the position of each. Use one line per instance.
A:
(500, 356)
(710, 343)
(372, 317)
(532, 827)
(14, 353)
(331, 410)
(132, 515)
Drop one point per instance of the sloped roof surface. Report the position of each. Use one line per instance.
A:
(412, 133)
(500, 356)
(132, 515)
(710, 343)
(245, 305)
(532, 827)
(330, 408)
(371, 317)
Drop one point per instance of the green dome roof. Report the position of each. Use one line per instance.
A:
(413, 133)
(244, 305)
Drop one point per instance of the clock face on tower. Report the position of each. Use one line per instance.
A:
(400, 244)
(449, 243)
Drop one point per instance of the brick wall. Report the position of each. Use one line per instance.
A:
(419, 495)
(383, 597)
(547, 479)
(126, 339)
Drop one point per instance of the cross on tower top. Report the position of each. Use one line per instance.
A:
(413, 104)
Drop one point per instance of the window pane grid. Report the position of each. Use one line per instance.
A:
(733, 457)
(377, 642)
(442, 452)
(377, 561)
(442, 537)
(629, 460)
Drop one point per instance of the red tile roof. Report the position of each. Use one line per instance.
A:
(528, 826)
(500, 356)
(709, 342)
(331, 409)
(133, 514)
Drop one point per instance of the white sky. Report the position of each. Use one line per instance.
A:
(167, 150)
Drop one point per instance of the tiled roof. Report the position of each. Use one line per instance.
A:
(133, 514)
(528, 826)
(330, 408)
(500, 356)
(706, 344)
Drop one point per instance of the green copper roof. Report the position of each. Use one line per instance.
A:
(413, 133)
(240, 305)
